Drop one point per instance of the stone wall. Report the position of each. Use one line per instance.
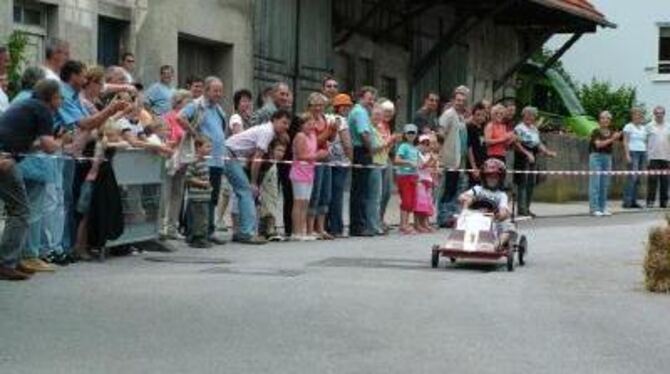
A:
(573, 154)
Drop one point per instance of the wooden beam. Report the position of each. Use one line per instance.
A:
(561, 51)
(404, 18)
(456, 32)
(498, 83)
(360, 24)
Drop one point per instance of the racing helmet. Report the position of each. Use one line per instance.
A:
(493, 166)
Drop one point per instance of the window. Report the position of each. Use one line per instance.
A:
(366, 74)
(389, 88)
(29, 14)
(664, 50)
(112, 35)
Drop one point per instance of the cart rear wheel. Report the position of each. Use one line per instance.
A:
(510, 261)
(452, 259)
(435, 258)
(523, 250)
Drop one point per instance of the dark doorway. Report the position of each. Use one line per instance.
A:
(112, 34)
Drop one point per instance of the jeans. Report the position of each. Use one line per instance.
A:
(13, 194)
(54, 211)
(359, 192)
(448, 205)
(36, 192)
(387, 185)
(287, 194)
(69, 225)
(599, 184)
(655, 182)
(335, 222)
(638, 159)
(198, 214)
(373, 203)
(321, 192)
(234, 171)
(174, 194)
(215, 175)
(525, 183)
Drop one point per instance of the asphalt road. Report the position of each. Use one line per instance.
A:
(350, 306)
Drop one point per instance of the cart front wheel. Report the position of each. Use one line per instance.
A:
(523, 250)
(435, 258)
(452, 259)
(510, 261)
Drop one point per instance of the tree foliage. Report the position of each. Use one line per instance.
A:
(17, 43)
(598, 96)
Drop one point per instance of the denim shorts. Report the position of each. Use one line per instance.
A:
(302, 191)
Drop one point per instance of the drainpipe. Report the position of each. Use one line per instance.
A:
(296, 67)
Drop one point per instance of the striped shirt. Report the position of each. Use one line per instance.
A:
(198, 171)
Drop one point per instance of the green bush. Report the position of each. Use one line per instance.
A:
(600, 95)
(17, 59)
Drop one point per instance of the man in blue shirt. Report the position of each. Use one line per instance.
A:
(159, 96)
(205, 117)
(71, 116)
(20, 126)
(360, 127)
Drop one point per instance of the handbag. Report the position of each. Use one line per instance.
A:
(38, 168)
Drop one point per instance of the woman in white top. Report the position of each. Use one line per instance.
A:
(635, 147)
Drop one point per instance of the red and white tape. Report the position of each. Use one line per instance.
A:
(359, 166)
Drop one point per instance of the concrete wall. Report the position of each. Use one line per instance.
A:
(573, 154)
(155, 26)
(228, 22)
(633, 45)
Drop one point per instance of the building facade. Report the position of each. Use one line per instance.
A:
(636, 53)
(403, 47)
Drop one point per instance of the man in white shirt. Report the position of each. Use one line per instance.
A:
(57, 54)
(4, 61)
(453, 129)
(658, 150)
(128, 66)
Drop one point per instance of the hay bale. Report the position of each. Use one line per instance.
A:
(657, 260)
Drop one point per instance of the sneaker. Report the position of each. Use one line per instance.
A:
(24, 269)
(308, 238)
(251, 240)
(12, 274)
(597, 214)
(276, 238)
(216, 240)
(607, 213)
(200, 244)
(37, 265)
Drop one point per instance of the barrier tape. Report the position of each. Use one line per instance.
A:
(359, 166)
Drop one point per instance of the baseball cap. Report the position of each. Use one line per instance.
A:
(411, 128)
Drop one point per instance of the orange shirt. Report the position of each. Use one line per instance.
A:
(498, 131)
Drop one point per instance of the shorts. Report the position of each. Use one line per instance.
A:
(302, 191)
(407, 191)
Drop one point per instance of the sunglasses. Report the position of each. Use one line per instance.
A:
(410, 133)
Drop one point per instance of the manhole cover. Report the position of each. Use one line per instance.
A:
(285, 273)
(188, 260)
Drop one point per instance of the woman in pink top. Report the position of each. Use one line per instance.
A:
(176, 177)
(305, 153)
(497, 136)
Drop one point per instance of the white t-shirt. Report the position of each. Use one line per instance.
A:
(236, 124)
(637, 137)
(50, 74)
(658, 141)
(4, 101)
(481, 193)
(134, 128)
(246, 143)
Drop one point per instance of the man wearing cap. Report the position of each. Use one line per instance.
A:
(341, 152)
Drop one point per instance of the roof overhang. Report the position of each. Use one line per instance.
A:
(579, 8)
